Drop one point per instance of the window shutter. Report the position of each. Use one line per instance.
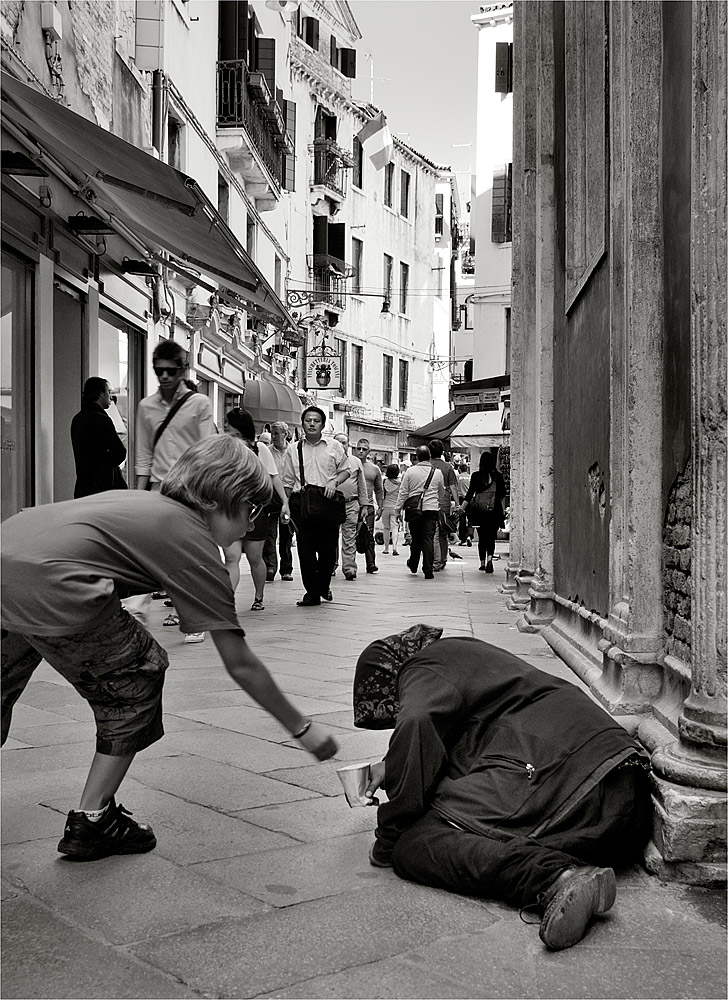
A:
(439, 214)
(337, 240)
(348, 62)
(289, 111)
(503, 67)
(311, 32)
(289, 172)
(498, 214)
(334, 53)
(266, 62)
(320, 235)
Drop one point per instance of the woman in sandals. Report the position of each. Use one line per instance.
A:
(239, 423)
(488, 481)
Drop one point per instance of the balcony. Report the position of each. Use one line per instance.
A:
(328, 279)
(249, 127)
(330, 166)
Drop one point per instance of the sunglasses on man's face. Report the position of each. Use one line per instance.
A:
(167, 371)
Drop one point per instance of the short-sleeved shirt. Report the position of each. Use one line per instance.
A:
(321, 463)
(66, 565)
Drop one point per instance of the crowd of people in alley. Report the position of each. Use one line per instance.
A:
(486, 793)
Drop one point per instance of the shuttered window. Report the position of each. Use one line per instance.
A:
(289, 159)
(387, 276)
(309, 31)
(403, 384)
(387, 372)
(501, 220)
(503, 67)
(358, 173)
(389, 184)
(266, 61)
(439, 214)
(357, 388)
(403, 286)
(404, 193)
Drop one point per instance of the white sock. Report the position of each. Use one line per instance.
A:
(94, 815)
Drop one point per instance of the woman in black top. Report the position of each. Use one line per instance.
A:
(486, 480)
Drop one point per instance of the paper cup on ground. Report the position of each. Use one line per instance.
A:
(355, 778)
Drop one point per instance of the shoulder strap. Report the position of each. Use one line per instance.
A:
(300, 462)
(165, 423)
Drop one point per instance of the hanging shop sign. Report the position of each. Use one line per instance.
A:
(323, 369)
(469, 402)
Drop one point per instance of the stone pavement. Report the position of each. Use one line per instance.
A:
(260, 885)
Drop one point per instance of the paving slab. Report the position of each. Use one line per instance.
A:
(45, 957)
(124, 899)
(247, 958)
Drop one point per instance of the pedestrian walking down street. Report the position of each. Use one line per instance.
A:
(61, 588)
(489, 791)
(373, 479)
(483, 505)
(98, 451)
(168, 422)
(354, 491)
(279, 531)
(425, 484)
(388, 513)
(240, 424)
(448, 500)
(324, 466)
(465, 532)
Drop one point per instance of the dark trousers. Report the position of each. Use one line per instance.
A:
(370, 554)
(317, 542)
(442, 546)
(486, 539)
(464, 530)
(608, 828)
(277, 531)
(422, 530)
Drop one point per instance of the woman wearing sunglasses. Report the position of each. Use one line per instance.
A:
(239, 423)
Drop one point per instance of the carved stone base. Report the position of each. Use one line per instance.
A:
(689, 834)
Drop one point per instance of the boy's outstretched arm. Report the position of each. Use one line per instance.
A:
(254, 678)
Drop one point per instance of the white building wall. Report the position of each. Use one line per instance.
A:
(494, 150)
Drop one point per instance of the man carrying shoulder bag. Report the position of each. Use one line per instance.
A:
(312, 469)
(424, 485)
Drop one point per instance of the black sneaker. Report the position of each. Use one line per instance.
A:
(115, 833)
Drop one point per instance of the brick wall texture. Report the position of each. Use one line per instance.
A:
(676, 560)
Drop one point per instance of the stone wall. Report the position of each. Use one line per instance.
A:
(676, 563)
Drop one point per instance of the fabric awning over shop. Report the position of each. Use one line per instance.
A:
(166, 209)
(442, 427)
(479, 430)
(268, 401)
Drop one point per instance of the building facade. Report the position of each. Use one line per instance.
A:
(191, 186)
(618, 519)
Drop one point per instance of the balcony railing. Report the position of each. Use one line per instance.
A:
(330, 166)
(236, 108)
(328, 277)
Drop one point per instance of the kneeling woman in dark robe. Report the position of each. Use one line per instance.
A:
(502, 781)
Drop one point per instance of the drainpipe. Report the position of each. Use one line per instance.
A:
(158, 111)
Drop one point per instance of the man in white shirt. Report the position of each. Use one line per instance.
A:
(324, 465)
(354, 490)
(157, 450)
(425, 481)
(278, 531)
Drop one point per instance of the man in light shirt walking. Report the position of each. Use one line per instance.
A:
(168, 422)
(422, 480)
(354, 490)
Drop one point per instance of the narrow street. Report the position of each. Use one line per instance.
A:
(260, 884)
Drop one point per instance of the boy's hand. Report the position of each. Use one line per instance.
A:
(319, 742)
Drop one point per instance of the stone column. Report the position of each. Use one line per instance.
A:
(542, 610)
(524, 391)
(690, 774)
(634, 635)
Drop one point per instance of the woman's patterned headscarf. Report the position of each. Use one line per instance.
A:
(377, 669)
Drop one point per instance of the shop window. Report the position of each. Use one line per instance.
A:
(121, 363)
(16, 401)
